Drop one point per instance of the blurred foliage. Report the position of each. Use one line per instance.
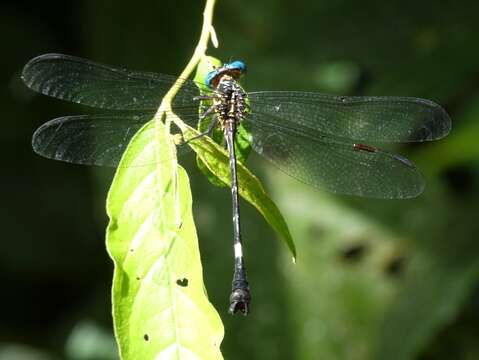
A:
(87, 341)
(374, 279)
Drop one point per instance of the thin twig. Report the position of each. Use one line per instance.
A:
(200, 52)
(165, 111)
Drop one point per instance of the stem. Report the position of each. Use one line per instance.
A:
(200, 51)
(165, 111)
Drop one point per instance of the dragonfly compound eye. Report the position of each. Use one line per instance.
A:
(237, 65)
(210, 77)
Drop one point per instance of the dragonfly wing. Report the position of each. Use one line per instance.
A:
(86, 82)
(375, 119)
(89, 139)
(332, 163)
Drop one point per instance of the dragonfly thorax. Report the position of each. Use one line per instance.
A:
(229, 101)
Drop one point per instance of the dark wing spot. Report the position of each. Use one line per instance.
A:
(421, 134)
(364, 147)
(146, 337)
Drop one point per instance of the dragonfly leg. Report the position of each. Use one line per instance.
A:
(204, 108)
(208, 131)
(202, 97)
(208, 112)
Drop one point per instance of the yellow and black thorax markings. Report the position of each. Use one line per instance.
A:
(229, 101)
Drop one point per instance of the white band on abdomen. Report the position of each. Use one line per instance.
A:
(238, 251)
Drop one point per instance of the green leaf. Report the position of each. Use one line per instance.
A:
(250, 188)
(160, 307)
(242, 142)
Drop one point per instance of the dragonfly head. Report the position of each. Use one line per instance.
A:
(234, 69)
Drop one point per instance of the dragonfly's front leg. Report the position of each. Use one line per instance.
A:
(203, 97)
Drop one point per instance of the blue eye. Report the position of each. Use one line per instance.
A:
(235, 69)
(237, 65)
(209, 78)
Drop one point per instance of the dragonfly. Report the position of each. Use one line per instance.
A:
(319, 139)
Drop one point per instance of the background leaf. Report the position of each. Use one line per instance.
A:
(160, 307)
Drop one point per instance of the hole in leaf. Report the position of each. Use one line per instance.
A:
(113, 225)
(182, 282)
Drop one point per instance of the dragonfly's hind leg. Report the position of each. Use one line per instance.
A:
(211, 126)
(207, 112)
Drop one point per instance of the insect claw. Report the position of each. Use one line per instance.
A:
(240, 298)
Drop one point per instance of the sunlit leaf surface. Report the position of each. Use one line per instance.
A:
(160, 307)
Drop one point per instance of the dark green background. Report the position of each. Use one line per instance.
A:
(374, 279)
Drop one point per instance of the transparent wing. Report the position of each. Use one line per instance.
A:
(376, 119)
(332, 163)
(91, 139)
(85, 82)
